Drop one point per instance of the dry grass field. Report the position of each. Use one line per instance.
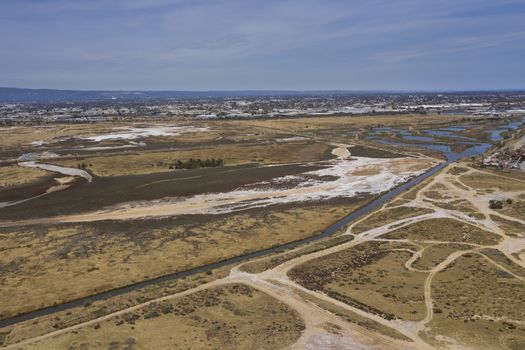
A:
(372, 278)
(477, 302)
(388, 216)
(232, 316)
(444, 229)
(159, 161)
(44, 265)
(12, 176)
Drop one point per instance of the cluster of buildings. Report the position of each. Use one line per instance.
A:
(491, 104)
(507, 159)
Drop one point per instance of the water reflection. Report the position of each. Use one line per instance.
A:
(431, 143)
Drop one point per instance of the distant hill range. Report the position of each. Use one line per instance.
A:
(8, 95)
(12, 95)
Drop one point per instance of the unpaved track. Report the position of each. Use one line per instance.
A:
(280, 272)
(428, 291)
(276, 283)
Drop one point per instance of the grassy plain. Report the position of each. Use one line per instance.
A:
(488, 181)
(91, 310)
(233, 316)
(12, 176)
(444, 229)
(44, 265)
(477, 305)
(434, 254)
(158, 161)
(387, 216)
(372, 278)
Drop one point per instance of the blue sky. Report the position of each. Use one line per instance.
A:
(263, 44)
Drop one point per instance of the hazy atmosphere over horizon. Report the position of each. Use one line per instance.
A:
(273, 44)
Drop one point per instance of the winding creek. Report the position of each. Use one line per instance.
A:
(61, 183)
(58, 169)
(476, 149)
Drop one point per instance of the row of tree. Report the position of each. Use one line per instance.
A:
(197, 163)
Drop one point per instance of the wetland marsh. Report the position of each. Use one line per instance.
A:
(303, 189)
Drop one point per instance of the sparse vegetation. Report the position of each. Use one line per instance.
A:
(124, 252)
(387, 216)
(371, 278)
(12, 176)
(232, 316)
(444, 229)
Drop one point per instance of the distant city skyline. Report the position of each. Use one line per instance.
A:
(406, 45)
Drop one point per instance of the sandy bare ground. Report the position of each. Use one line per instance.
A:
(353, 176)
(58, 169)
(132, 133)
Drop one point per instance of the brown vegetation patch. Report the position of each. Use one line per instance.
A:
(516, 209)
(353, 317)
(487, 181)
(44, 265)
(11, 176)
(363, 151)
(470, 298)
(511, 228)
(160, 161)
(387, 216)
(233, 316)
(435, 254)
(371, 277)
(444, 229)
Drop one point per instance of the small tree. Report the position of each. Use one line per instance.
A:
(495, 204)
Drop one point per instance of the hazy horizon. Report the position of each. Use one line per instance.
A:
(488, 90)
